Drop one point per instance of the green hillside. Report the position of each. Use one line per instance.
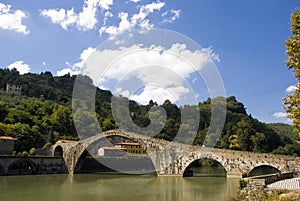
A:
(43, 115)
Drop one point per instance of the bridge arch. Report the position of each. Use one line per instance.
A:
(58, 151)
(191, 158)
(214, 168)
(265, 165)
(22, 166)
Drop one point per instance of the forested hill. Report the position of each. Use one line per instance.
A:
(43, 115)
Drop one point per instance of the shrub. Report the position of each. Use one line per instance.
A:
(32, 151)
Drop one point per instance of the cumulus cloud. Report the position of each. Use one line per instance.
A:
(20, 66)
(85, 20)
(144, 73)
(75, 69)
(138, 20)
(114, 22)
(62, 17)
(291, 89)
(279, 114)
(12, 20)
(115, 30)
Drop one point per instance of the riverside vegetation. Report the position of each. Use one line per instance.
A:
(256, 192)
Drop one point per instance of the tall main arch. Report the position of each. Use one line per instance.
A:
(73, 151)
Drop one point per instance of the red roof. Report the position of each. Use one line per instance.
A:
(7, 138)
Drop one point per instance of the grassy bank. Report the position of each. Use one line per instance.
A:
(255, 192)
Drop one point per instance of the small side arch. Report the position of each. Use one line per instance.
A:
(22, 167)
(263, 169)
(58, 151)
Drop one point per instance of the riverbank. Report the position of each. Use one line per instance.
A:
(257, 192)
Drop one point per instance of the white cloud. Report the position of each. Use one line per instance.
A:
(85, 20)
(105, 4)
(145, 10)
(77, 67)
(145, 24)
(159, 94)
(123, 26)
(65, 71)
(282, 117)
(62, 17)
(12, 20)
(214, 56)
(44, 63)
(20, 66)
(84, 56)
(140, 17)
(171, 16)
(157, 72)
(138, 20)
(279, 115)
(291, 89)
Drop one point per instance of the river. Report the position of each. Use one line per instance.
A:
(115, 187)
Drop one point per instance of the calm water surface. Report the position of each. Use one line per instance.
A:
(110, 187)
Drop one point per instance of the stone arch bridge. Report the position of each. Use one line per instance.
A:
(171, 158)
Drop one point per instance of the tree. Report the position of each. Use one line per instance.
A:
(244, 132)
(292, 101)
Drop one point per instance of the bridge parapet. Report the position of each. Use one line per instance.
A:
(240, 163)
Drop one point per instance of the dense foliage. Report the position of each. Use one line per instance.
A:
(43, 114)
(292, 101)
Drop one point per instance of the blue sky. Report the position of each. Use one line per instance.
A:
(248, 37)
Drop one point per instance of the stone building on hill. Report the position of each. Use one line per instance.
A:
(13, 89)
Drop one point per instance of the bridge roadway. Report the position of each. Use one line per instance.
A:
(171, 158)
